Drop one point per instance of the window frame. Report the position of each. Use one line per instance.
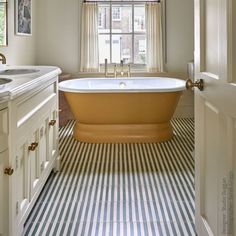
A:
(138, 66)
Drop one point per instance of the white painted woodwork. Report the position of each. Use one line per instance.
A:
(233, 39)
(22, 188)
(3, 129)
(43, 143)
(3, 194)
(52, 137)
(3, 165)
(24, 121)
(215, 117)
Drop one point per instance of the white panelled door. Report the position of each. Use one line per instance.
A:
(215, 117)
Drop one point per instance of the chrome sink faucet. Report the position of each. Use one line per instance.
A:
(3, 59)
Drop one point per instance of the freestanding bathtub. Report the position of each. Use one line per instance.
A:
(111, 110)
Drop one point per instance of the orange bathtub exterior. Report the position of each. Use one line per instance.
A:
(123, 117)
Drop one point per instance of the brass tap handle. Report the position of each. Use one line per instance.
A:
(122, 68)
(106, 69)
(33, 146)
(128, 72)
(115, 71)
(199, 84)
(8, 171)
(52, 122)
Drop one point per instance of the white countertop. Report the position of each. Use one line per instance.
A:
(25, 82)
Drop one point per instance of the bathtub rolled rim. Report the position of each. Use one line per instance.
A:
(66, 86)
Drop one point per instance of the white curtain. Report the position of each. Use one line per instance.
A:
(155, 59)
(89, 59)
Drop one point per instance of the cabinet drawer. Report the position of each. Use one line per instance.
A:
(3, 130)
(27, 108)
(36, 119)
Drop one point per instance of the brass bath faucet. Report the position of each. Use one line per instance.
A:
(3, 59)
(128, 72)
(122, 68)
(107, 74)
(122, 72)
(116, 72)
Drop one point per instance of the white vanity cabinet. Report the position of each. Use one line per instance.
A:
(3, 165)
(33, 138)
(4, 195)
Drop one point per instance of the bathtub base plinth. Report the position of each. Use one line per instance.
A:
(127, 133)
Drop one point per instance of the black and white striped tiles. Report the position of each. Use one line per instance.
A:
(119, 189)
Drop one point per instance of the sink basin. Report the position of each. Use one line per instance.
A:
(3, 82)
(18, 71)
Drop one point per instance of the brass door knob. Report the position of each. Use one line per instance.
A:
(33, 146)
(8, 171)
(52, 122)
(199, 84)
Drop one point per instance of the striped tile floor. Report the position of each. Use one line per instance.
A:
(119, 189)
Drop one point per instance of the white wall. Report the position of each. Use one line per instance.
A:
(20, 49)
(180, 46)
(58, 34)
(179, 34)
(55, 39)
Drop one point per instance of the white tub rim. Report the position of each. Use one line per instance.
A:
(63, 86)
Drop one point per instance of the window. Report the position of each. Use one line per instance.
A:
(3, 22)
(122, 33)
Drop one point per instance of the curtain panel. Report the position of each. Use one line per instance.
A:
(89, 53)
(155, 51)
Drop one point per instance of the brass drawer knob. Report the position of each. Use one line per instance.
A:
(8, 171)
(199, 84)
(33, 146)
(52, 122)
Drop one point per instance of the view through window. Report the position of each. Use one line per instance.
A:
(122, 33)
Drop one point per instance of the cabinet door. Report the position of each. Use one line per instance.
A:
(43, 162)
(3, 130)
(21, 179)
(52, 142)
(35, 167)
(3, 195)
(48, 147)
